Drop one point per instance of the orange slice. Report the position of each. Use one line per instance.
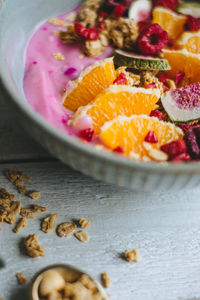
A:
(181, 60)
(130, 132)
(170, 21)
(190, 41)
(90, 83)
(117, 100)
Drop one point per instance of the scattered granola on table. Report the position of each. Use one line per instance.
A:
(38, 208)
(84, 223)
(34, 195)
(27, 213)
(48, 223)
(12, 212)
(21, 224)
(105, 279)
(132, 255)
(66, 229)
(82, 236)
(21, 278)
(32, 247)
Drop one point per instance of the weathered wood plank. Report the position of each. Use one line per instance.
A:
(165, 227)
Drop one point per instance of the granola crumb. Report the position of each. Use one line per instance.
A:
(21, 190)
(58, 56)
(48, 223)
(81, 56)
(84, 223)
(22, 223)
(82, 236)
(21, 278)
(12, 212)
(34, 195)
(27, 213)
(5, 195)
(105, 280)
(32, 247)
(93, 48)
(66, 229)
(38, 208)
(57, 22)
(71, 17)
(132, 255)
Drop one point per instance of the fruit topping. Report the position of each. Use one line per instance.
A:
(90, 34)
(181, 157)
(190, 41)
(168, 4)
(179, 77)
(192, 24)
(185, 127)
(150, 86)
(191, 8)
(183, 104)
(152, 39)
(175, 148)
(119, 10)
(90, 83)
(192, 138)
(121, 79)
(151, 137)
(156, 113)
(170, 21)
(139, 62)
(140, 10)
(86, 134)
(130, 132)
(119, 149)
(117, 100)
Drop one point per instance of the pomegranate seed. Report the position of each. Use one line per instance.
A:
(151, 137)
(150, 86)
(179, 77)
(103, 15)
(88, 34)
(121, 80)
(86, 134)
(163, 78)
(119, 149)
(165, 88)
(102, 25)
(156, 113)
(182, 157)
(175, 148)
(93, 34)
(119, 10)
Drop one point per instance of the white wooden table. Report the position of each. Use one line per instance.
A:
(165, 227)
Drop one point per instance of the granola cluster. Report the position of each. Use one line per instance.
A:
(32, 247)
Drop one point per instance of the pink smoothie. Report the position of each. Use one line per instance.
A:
(45, 77)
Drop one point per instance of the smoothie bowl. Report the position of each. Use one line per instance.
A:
(111, 89)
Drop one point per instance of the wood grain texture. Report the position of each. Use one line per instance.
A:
(165, 227)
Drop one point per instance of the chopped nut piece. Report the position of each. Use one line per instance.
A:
(59, 56)
(1, 219)
(48, 223)
(158, 155)
(27, 213)
(32, 247)
(65, 229)
(57, 22)
(13, 211)
(84, 223)
(132, 255)
(38, 208)
(93, 48)
(21, 278)
(22, 223)
(82, 236)
(88, 12)
(34, 195)
(21, 190)
(105, 280)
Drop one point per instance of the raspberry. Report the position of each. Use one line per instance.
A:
(168, 4)
(152, 39)
(179, 77)
(192, 138)
(192, 24)
(119, 149)
(175, 148)
(119, 10)
(156, 113)
(142, 25)
(182, 157)
(150, 86)
(88, 34)
(86, 134)
(151, 137)
(121, 80)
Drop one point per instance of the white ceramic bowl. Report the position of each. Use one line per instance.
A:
(17, 21)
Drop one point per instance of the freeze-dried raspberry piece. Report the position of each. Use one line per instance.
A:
(165, 88)
(152, 39)
(192, 138)
(175, 148)
(119, 10)
(182, 157)
(93, 34)
(119, 149)
(86, 134)
(151, 137)
(192, 24)
(156, 113)
(90, 34)
(179, 77)
(121, 79)
(150, 86)
(166, 3)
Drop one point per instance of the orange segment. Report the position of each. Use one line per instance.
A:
(116, 101)
(90, 83)
(130, 132)
(189, 41)
(181, 60)
(170, 21)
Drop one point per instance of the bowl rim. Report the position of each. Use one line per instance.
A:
(116, 159)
